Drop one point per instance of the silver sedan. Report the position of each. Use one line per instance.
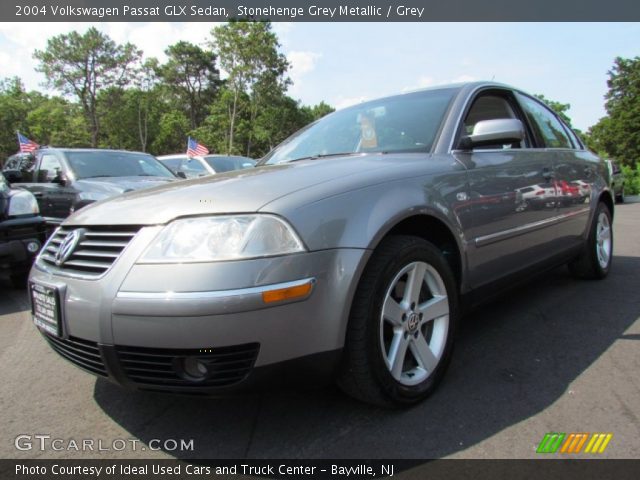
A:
(349, 253)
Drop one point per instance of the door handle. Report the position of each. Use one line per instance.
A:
(547, 173)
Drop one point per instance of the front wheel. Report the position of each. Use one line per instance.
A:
(402, 324)
(595, 260)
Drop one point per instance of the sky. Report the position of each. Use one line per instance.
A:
(346, 63)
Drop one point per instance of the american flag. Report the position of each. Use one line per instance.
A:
(26, 145)
(194, 148)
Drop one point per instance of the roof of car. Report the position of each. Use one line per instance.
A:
(184, 155)
(69, 149)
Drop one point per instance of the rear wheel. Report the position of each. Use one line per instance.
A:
(402, 324)
(620, 197)
(595, 260)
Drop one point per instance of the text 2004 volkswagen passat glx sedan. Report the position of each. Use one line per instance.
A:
(347, 252)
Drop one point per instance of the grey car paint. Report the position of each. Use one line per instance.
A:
(341, 208)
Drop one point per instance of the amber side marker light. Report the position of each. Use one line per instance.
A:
(290, 293)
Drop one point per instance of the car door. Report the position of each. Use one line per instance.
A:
(51, 187)
(575, 170)
(509, 227)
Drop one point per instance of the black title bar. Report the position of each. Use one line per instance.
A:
(319, 11)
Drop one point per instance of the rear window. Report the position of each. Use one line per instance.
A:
(227, 164)
(90, 164)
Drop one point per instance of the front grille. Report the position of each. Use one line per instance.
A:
(83, 353)
(161, 367)
(98, 249)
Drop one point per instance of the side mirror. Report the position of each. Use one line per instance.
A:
(60, 179)
(494, 132)
(13, 176)
(181, 175)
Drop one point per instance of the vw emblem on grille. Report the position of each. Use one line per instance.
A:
(67, 246)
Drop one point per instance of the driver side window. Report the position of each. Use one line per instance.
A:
(49, 168)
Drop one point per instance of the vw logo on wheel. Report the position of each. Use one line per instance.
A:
(67, 246)
(414, 320)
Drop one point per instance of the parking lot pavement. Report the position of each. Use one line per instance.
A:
(555, 355)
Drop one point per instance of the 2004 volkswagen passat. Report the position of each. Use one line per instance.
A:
(348, 251)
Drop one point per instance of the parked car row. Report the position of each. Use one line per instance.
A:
(348, 253)
(62, 180)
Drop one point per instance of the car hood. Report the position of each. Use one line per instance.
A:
(240, 191)
(110, 186)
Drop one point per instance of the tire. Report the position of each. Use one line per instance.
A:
(620, 197)
(595, 260)
(374, 369)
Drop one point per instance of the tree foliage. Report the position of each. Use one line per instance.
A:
(617, 135)
(191, 76)
(111, 98)
(249, 54)
(84, 65)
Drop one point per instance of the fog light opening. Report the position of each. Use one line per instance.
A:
(194, 369)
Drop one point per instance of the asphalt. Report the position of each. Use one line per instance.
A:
(555, 355)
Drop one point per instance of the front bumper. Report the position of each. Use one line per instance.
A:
(135, 324)
(20, 241)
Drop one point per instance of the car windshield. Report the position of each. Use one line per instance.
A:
(226, 164)
(404, 123)
(90, 164)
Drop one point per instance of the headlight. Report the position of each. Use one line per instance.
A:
(221, 238)
(23, 203)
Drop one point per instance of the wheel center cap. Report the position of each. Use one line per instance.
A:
(412, 321)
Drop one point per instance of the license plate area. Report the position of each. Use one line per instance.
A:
(45, 308)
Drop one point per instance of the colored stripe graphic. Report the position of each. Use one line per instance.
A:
(598, 443)
(551, 442)
(574, 443)
(554, 442)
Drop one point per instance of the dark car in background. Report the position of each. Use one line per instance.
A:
(200, 166)
(21, 232)
(64, 180)
(617, 180)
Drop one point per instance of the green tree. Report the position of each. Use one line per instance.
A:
(248, 53)
(618, 134)
(14, 106)
(318, 111)
(83, 65)
(173, 129)
(56, 121)
(190, 74)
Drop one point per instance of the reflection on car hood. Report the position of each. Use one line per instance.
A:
(240, 191)
(110, 186)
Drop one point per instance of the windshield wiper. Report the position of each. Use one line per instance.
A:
(325, 155)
